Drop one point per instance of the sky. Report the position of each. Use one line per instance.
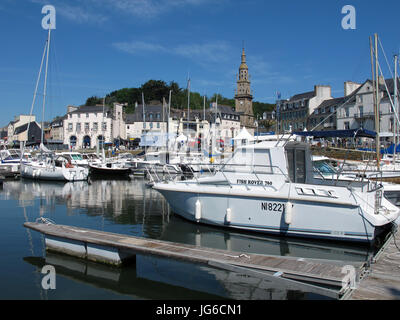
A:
(100, 46)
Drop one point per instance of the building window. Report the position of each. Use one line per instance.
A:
(78, 127)
(87, 115)
(104, 127)
(347, 125)
(95, 126)
(70, 127)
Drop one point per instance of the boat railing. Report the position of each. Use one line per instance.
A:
(375, 180)
(223, 169)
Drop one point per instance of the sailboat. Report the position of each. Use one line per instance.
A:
(49, 166)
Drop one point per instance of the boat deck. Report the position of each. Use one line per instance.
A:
(318, 276)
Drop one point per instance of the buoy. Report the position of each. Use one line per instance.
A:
(198, 210)
(288, 213)
(228, 217)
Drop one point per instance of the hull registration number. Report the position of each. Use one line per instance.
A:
(273, 207)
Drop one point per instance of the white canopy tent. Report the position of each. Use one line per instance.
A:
(244, 137)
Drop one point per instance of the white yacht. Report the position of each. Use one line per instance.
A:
(75, 158)
(270, 187)
(53, 168)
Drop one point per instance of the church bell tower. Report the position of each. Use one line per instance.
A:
(244, 97)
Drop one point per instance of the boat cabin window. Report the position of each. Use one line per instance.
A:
(250, 160)
(323, 167)
(76, 157)
(296, 165)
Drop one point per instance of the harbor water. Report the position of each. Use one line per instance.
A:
(130, 207)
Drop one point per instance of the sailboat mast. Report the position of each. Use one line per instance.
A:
(45, 82)
(377, 122)
(188, 103)
(144, 119)
(396, 109)
(168, 114)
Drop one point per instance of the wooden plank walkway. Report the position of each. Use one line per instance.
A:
(317, 272)
(382, 282)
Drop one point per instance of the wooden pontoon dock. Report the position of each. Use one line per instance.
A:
(382, 281)
(310, 275)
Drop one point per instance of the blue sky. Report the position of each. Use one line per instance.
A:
(104, 45)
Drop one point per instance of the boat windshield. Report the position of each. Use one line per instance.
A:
(324, 167)
(250, 160)
(76, 157)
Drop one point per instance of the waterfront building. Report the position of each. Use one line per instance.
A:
(293, 113)
(324, 117)
(359, 111)
(17, 122)
(89, 126)
(244, 96)
(57, 129)
(31, 136)
(152, 119)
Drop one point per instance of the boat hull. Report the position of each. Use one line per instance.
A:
(54, 174)
(268, 215)
(109, 172)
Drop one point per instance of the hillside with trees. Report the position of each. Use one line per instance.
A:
(158, 89)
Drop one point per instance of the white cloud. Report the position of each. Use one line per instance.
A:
(98, 11)
(212, 52)
(147, 8)
(139, 47)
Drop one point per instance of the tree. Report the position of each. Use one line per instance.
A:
(92, 101)
(159, 89)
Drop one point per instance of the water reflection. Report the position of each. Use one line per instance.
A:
(158, 278)
(132, 208)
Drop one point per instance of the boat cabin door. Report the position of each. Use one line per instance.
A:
(297, 164)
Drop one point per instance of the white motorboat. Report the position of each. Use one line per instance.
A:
(270, 187)
(53, 168)
(75, 158)
(10, 160)
(91, 158)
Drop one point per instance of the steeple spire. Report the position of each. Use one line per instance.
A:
(244, 64)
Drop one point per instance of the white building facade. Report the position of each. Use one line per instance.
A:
(89, 126)
(359, 112)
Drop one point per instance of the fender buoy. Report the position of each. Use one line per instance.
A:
(198, 211)
(289, 213)
(228, 217)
